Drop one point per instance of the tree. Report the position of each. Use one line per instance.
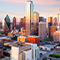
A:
(45, 58)
(41, 54)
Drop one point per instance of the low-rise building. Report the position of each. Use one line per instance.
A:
(22, 38)
(57, 36)
(5, 39)
(33, 39)
(24, 51)
(47, 47)
(58, 48)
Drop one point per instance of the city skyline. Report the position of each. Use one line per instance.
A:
(46, 8)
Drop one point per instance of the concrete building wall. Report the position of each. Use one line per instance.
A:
(42, 30)
(14, 53)
(28, 55)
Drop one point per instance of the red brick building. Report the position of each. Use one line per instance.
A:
(34, 39)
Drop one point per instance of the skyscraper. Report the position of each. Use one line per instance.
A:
(7, 24)
(55, 22)
(36, 20)
(50, 21)
(14, 23)
(42, 30)
(41, 19)
(52, 29)
(29, 16)
(3, 24)
(23, 22)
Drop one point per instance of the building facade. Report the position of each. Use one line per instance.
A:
(23, 22)
(52, 29)
(42, 30)
(36, 20)
(14, 23)
(24, 51)
(33, 39)
(57, 36)
(29, 16)
(7, 24)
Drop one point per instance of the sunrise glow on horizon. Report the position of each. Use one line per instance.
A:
(17, 8)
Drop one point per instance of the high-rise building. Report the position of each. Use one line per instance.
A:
(23, 22)
(7, 24)
(41, 19)
(55, 22)
(29, 16)
(42, 30)
(50, 19)
(14, 23)
(36, 20)
(52, 29)
(3, 24)
(57, 36)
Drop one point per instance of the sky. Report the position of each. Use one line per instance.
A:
(17, 8)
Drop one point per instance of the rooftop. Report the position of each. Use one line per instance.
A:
(21, 45)
(33, 36)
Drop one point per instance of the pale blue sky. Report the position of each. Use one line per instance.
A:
(17, 8)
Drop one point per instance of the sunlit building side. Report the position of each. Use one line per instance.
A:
(36, 20)
(3, 24)
(29, 16)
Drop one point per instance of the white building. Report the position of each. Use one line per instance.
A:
(24, 51)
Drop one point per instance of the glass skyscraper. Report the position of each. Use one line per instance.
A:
(7, 24)
(29, 16)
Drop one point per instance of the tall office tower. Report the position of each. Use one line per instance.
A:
(7, 24)
(52, 29)
(41, 19)
(3, 24)
(36, 20)
(44, 20)
(50, 21)
(42, 30)
(14, 23)
(55, 22)
(29, 16)
(23, 22)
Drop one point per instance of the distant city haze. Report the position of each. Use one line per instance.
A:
(17, 8)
